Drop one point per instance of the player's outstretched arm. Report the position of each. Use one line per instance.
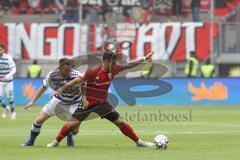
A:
(39, 94)
(68, 84)
(134, 63)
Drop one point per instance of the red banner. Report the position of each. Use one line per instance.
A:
(51, 41)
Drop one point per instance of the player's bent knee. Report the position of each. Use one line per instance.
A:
(74, 131)
(119, 122)
(41, 118)
(73, 124)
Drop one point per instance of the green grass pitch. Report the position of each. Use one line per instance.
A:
(204, 133)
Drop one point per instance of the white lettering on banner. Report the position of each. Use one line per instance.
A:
(191, 28)
(62, 38)
(126, 32)
(159, 43)
(42, 40)
(143, 38)
(51, 40)
(83, 39)
(166, 50)
(27, 39)
(11, 40)
(99, 36)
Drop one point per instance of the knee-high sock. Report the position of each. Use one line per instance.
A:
(63, 133)
(34, 132)
(12, 106)
(2, 103)
(128, 131)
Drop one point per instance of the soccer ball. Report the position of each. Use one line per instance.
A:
(161, 141)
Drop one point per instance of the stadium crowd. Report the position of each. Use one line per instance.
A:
(68, 10)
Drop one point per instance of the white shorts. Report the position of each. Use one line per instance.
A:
(7, 88)
(56, 107)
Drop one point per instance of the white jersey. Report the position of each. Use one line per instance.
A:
(71, 95)
(7, 67)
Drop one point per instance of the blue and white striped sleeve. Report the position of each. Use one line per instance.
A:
(46, 81)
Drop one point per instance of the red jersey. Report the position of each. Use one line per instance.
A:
(97, 83)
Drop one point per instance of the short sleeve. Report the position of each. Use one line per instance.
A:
(11, 63)
(46, 81)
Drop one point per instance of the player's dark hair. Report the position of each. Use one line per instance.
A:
(109, 55)
(2, 46)
(65, 61)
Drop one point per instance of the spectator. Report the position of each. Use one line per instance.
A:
(34, 6)
(177, 7)
(14, 3)
(207, 70)
(146, 6)
(106, 12)
(34, 70)
(127, 12)
(61, 4)
(93, 13)
(191, 66)
(48, 5)
(34, 3)
(195, 10)
(5, 4)
(69, 12)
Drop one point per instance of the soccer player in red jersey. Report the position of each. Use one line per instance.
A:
(97, 81)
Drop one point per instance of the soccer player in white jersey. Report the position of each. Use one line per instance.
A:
(63, 104)
(7, 70)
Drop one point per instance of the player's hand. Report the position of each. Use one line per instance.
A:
(4, 79)
(30, 104)
(149, 55)
(85, 102)
(57, 92)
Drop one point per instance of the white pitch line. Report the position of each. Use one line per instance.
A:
(113, 133)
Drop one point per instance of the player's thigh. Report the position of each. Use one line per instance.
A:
(69, 110)
(9, 90)
(80, 114)
(51, 107)
(74, 123)
(107, 111)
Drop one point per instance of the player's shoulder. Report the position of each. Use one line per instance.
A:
(95, 68)
(6, 57)
(53, 73)
(76, 73)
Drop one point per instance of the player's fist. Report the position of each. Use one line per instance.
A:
(57, 92)
(30, 104)
(149, 55)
